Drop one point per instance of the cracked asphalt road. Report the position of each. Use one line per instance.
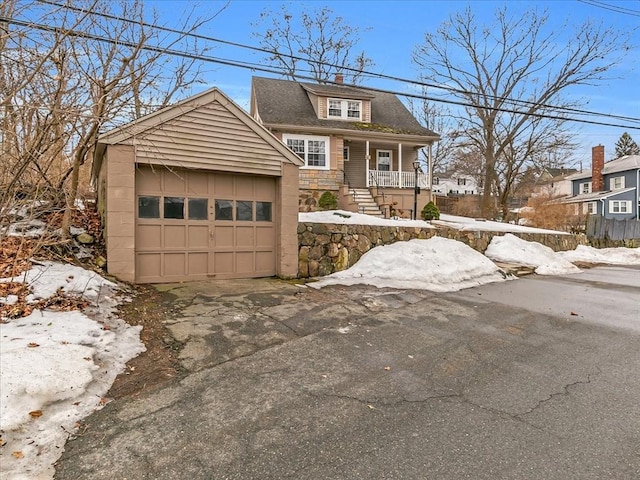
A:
(496, 382)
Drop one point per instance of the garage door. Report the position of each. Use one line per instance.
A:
(195, 225)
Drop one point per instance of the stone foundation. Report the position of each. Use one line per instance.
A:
(325, 248)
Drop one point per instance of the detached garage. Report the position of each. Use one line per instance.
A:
(197, 191)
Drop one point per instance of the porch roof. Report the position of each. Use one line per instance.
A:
(285, 103)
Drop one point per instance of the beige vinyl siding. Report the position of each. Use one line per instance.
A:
(366, 111)
(355, 167)
(210, 137)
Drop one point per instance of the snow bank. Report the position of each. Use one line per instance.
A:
(511, 249)
(612, 256)
(437, 264)
(343, 217)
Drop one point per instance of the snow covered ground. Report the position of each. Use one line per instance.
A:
(56, 366)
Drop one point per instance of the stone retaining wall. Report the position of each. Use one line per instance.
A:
(325, 248)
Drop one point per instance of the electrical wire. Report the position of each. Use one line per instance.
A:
(253, 67)
(514, 102)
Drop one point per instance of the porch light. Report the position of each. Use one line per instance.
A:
(416, 190)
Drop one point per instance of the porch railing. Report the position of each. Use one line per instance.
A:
(390, 179)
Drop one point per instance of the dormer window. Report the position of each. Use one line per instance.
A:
(344, 109)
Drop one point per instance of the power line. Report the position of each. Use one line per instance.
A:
(514, 102)
(612, 8)
(234, 63)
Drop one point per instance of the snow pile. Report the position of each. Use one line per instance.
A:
(471, 224)
(56, 366)
(343, 217)
(437, 264)
(511, 249)
(613, 256)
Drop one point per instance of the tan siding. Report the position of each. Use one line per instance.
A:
(355, 168)
(366, 111)
(210, 138)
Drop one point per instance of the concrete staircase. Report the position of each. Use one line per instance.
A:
(366, 203)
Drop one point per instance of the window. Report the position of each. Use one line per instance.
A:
(462, 181)
(592, 208)
(263, 211)
(345, 154)
(585, 187)
(620, 206)
(436, 181)
(313, 150)
(224, 210)
(198, 208)
(344, 109)
(616, 183)
(383, 160)
(148, 207)
(244, 210)
(468, 192)
(174, 207)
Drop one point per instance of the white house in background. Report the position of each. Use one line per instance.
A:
(554, 182)
(455, 183)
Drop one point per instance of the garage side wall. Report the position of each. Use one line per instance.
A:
(288, 214)
(120, 212)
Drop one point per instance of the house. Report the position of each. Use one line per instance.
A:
(610, 189)
(454, 183)
(357, 143)
(553, 182)
(197, 190)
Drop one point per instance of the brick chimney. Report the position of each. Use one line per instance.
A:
(339, 78)
(597, 164)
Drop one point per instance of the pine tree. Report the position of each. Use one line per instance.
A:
(626, 146)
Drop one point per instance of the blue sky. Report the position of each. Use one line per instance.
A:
(390, 30)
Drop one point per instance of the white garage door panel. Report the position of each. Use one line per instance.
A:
(178, 237)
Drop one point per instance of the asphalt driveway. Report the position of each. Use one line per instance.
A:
(506, 381)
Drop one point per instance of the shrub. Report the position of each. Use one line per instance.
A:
(328, 201)
(430, 212)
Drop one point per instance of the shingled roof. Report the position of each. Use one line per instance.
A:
(285, 102)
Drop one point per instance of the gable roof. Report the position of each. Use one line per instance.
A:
(286, 103)
(622, 164)
(198, 121)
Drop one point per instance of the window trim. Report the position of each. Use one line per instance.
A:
(344, 109)
(620, 203)
(581, 188)
(390, 152)
(613, 179)
(594, 206)
(345, 153)
(306, 139)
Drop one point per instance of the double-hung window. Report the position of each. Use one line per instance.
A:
(620, 206)
(616, 183)
(592, 208)
(313, 150)
(344, 109)
(585, 187)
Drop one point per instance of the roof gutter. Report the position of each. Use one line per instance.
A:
(357, 134)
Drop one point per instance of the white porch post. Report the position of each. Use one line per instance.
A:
(367, 157)
(430, 172)
(400, 164)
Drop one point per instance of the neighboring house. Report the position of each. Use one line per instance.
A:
(454, 183)
(610, 189)
(198, 190)
(358, 143)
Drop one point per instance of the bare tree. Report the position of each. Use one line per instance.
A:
(508, 74)
(64, 84)
(316, 44)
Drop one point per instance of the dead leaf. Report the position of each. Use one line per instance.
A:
(17, 454)
(387, 368)
(36, 413)
(574, 314)
(32, 345)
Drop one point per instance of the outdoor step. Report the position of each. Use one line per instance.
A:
(366, 203)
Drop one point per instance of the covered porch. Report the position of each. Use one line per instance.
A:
(382, 165)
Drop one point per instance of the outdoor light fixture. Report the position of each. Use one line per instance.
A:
(416, 190)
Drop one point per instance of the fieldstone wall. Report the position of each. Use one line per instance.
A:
(325, 248)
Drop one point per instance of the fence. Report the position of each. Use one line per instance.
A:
(600, 228)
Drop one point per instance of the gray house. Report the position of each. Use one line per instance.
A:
(610, 189)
